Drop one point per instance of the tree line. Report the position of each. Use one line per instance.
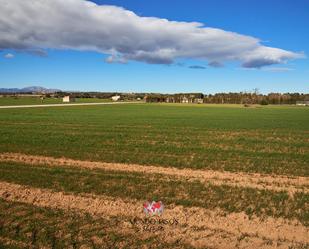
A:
(230, 98)
(218, 98)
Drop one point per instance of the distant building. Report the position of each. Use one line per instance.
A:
(68, 99)
(116, 98)
(303, 103)
(184, 99)
(170, 99)
(198, 100)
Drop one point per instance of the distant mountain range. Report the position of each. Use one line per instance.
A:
(32, 89)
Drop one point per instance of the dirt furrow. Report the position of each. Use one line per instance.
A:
(197, 226)
(7, 242)
(252, 180)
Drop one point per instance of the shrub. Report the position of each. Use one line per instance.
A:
(264, 102)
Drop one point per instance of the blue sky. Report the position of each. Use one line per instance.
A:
(278, 24)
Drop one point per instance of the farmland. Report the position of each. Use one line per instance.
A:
(5, 101)
(231, 176)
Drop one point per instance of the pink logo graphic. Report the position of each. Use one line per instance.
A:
(153, 208)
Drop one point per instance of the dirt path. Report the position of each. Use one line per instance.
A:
(61, 105)
(196, 226)
(258, 181)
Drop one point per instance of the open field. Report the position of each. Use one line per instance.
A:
(229, 177)
(4, 101)
(262, 140)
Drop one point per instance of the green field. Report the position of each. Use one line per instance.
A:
(37, 101)
(266, 140)
(272, 140)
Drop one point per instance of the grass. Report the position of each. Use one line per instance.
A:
(265, 139)
(37, 101)
(137, 185)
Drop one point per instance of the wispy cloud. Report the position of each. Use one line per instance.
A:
(9, 56)
(270, 69)
(197, 67)
(215, 64)
(114, 58)
(277, 69)
(85, 26)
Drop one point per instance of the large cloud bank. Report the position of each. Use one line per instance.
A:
(35, 25)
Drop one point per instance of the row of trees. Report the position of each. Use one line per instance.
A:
(253, 97)
(231, 98)
(101, 95)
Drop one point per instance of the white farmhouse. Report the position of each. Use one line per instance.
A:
(116, 98)
(68, 99)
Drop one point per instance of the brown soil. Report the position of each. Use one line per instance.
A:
(252, 180)
(18, 244)
(196, 226)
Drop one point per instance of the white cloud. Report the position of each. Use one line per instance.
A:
(9, 56)
(82, 25)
